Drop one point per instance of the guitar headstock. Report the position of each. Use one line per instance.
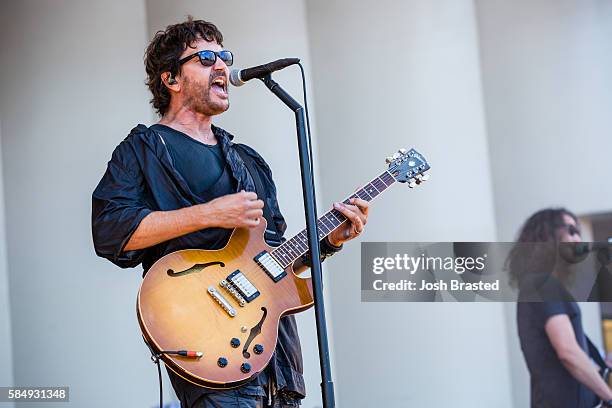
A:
(408, 166)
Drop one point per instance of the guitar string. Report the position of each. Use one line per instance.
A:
(286, 253)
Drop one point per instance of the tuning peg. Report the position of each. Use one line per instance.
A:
(412, 183)
(396, 156)
(421, 178)
(389, 160)
(403, 151)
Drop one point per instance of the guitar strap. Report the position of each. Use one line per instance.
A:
(261, 193)
(596, 356)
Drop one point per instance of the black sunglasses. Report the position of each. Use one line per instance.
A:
(208, 57)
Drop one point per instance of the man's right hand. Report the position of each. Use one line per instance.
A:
(237, 210)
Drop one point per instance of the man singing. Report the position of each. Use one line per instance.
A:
(182, 183)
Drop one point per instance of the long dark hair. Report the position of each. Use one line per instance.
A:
(536, 248)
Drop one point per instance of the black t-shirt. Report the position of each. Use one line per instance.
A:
(202, 166)
(552, 385)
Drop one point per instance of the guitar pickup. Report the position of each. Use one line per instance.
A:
(244, 286)
(270, 266)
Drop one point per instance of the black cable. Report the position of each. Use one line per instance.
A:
(161, 391)
(155, 358)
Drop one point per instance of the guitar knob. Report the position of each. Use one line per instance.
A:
(235, 343)
(222, 362)
(258, 349)
(245, 367)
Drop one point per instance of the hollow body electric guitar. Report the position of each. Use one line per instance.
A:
(213, 315)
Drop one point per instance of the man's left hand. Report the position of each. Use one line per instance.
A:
(357, 214)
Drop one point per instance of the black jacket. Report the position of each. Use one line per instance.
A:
(140, 178)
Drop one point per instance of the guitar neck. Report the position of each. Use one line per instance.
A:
(292, 249)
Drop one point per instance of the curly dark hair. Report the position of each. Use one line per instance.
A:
(164, 51)
(542, 226)
(536, 247)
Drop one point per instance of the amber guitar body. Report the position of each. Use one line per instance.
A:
(213, 316)
(176, 310)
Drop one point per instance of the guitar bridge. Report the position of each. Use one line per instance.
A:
(232, 291)
(214, 293)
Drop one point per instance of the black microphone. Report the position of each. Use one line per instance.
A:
(239, 77)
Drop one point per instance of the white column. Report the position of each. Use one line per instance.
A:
(72, 88)
(392, 74)
(546, 77)
(6, 341)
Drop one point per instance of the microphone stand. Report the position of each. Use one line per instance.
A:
(310, 211)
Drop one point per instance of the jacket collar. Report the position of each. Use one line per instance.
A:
(156, 143)
(221, 133)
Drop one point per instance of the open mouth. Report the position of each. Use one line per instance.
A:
(219, 86)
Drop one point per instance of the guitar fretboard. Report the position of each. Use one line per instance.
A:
(292, 249)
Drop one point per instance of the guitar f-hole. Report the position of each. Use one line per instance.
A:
(194, 268)
(254, 332)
